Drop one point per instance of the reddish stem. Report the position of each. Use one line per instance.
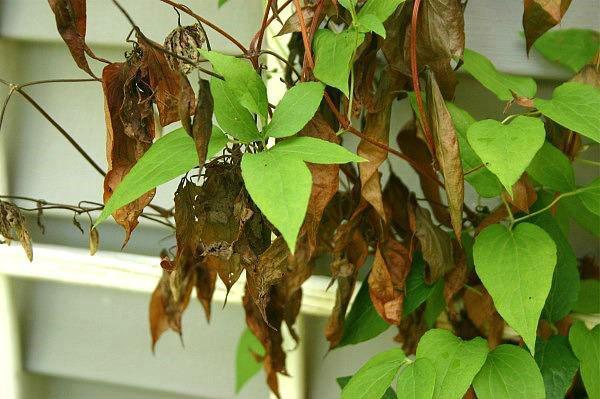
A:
(305, 39)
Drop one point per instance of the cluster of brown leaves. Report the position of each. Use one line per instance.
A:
(221, 233)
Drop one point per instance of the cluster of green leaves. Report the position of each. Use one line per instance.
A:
(445, 366)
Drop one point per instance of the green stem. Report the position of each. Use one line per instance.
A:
(513, 116)
(510, 214)
(550, 205)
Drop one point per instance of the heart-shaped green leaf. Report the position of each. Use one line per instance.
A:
(586, 346)
(456, 361)
(516, 267)
(375, 376)
(295, 109)
(552, 169)
(417, 380)
(575, 106)
(509, 373)
(557, 364)
(501, 84)
(507, 150)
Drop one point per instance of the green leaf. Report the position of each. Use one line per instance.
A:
(484, 181)
(382, 9)
(435, 304)
(295, 109)
(565, 281)
(589, 297)
(509, 373)
(349, 5)
(232, 117)
(314, 150)
(333, 56)
(221, 2)
(169, 157)
(575, 209)
(362, 322)
(586, 346)
(552, 169)
(516, 267)
(343, 381)
(507, 150)
(575, 106)
(417, 291)
(241, 79)
(590, 196)
(456, 361)
(370, 23)
(280, 187)
(246, 365)
(557, 364)
(375, 376)
(573, 48)
(501, 84)
(417, 380)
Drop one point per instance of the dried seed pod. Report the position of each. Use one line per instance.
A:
(185, 42)
(13, 227)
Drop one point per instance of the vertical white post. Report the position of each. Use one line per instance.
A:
(10, 364)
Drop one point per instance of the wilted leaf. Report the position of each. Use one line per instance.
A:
(128, 136)
(541, 15)
(71, 22)
(202, 126)
(292, 24)
(447, 152)
(482, 313)
(14, 227)
(435, 244)
(387, 280)
(94, 241)
(165, 83)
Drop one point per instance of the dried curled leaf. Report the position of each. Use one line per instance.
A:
(14, 227)
(185, 42)
(292, 24)
(541, 15)
(447, 152)
(481, 311)
(435, 244)
(128, 136)
(71, 22)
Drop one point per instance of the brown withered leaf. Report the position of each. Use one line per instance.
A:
(455, 279)
(524, 194)
(349, 254)
(481, 311)
(440, 32)
(206, 278)
(377, 128)
(447, 152)
(410, 331)
(166, 307)
(386, 280)
(165, 83)
(269, 336)
(396, 201)
(589, 74)
(413, 145)
(541, 15)
(292, 24)
(122, 150)
(202, 126)
(264, 274)
(436, 246)
(14, 227)
(70, 16)
(94, 241)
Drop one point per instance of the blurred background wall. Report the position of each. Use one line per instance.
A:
(82, 342)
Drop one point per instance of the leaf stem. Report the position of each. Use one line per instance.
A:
(550, 205)
(510, 214)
